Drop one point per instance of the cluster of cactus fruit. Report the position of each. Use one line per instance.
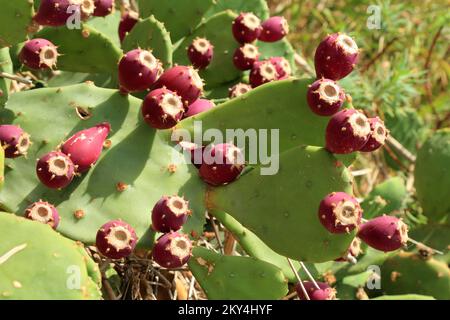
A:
(173, 97)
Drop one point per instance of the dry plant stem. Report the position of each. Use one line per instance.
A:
(216, 232)
(108, 289)
(301, 62)
(298, 279)
(428, 90)
(15, 77)
(229, 244)
(11, 253)
(397, 146)
(309, 275)
(378, 55)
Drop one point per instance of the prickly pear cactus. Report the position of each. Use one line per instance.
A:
(269, 223)
(61, 268)
(409, 272)
(432, 176)
(229, 278)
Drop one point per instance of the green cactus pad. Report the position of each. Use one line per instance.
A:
(138, 157)
(258, 249)
(15, 18)
(258, 7)
(405, 297)
(108, 26)
(436, 236)
(217, 30)
(83, 50)
(282, 207)
(60, 268)
(5, 66)
(236, 278)
(150, 34)
(279, 106)
(432, 176)
(407, 272)
(387, 197)
(180, 16)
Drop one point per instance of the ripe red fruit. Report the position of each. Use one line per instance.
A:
(162, 109)
(347, 131)
(103, 8)
(127, 23)
(55, 13)
(14, 141)
(325, 97)
(246, 27)
(138, 70)
(43, 212)
(283, 67)
(39, 54)
(170, 213)
(200, 53)
(339, 212)
(116, 239)
(245, 56)
(324, 293)
(384, 233)
(222, 164)
(55, 170)
(85, 147)
(336, 57)
(262, 73)
(377, 137)
(172, 250)
(199, 106)
(184, 81)
(274, 29)
(239, 90)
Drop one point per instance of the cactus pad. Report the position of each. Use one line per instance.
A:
(236, 278)
(15, 18)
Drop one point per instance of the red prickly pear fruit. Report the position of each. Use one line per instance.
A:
(138, 70)
(324, 293)
(325, 97)
(162, 109)
(239, 90)
(336, 57)
(222, 164)
(353, 251)
(384, 233)
(262, 73)
(377, 137)
(339, 212)
(39, 54)
(116, 239)
(245, 56)
(103, 8)
(199, 106)
(184, 81)
(55, 13)
(85, 147)
(283, 67)
(274, 29)
(347, 131)
(127, 23)
(43, 212)
(196, 152)
(172, 250)
(246, 27)
(14, 141)
(201, 53)
(170, 213)
(55, 170)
